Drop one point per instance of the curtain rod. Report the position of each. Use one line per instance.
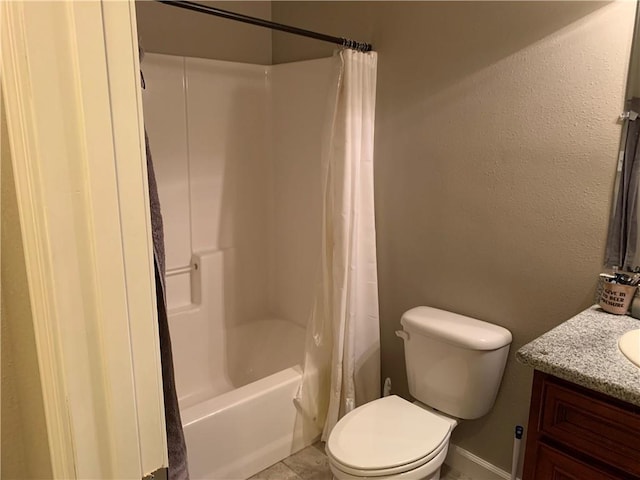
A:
(196, 7)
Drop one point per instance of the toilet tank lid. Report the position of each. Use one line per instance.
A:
(456, 329)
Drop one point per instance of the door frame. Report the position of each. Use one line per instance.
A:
(71, 87)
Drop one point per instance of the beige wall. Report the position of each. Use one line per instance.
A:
(175, 31)
(633, 89)
(496, 141)
(23, 430)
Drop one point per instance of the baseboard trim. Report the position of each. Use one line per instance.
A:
(473, 466)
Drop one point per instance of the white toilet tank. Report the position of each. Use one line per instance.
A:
(454, 363)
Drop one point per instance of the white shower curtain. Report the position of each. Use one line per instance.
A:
(342, 362)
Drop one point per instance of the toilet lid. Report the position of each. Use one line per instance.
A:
(386, 433)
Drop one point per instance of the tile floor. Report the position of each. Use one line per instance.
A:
(311, 463)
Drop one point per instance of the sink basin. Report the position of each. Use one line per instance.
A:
(629, 344)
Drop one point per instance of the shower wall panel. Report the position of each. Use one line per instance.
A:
(237, 153)
(230, 176)
(165, 119)
(208, 128)
(301, 102)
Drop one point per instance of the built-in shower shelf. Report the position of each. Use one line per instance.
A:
(192, 307)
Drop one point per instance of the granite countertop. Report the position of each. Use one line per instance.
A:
(584, 350)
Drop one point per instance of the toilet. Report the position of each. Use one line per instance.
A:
(454, 369)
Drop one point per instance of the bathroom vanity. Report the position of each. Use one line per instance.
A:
(584, 419)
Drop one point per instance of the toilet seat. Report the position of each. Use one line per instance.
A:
(397, 470)
(385, 437)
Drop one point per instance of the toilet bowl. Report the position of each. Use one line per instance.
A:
(389, 438)
(454, 369)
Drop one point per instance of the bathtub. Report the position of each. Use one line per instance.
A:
(240, 433)
(235, 382)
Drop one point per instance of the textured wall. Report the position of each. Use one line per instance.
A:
(23, 429)
(175, 31)
(496, 142)
(633, 89)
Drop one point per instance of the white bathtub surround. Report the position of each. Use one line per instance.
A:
(237, 382)
(214, 355)
(344, 329)
(237, 150)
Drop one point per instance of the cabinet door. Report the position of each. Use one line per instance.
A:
(600, 428)
(555, 465)
(578, 434)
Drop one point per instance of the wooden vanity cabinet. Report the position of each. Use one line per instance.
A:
(578, 434)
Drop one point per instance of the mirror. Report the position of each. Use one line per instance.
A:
(623, 243)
